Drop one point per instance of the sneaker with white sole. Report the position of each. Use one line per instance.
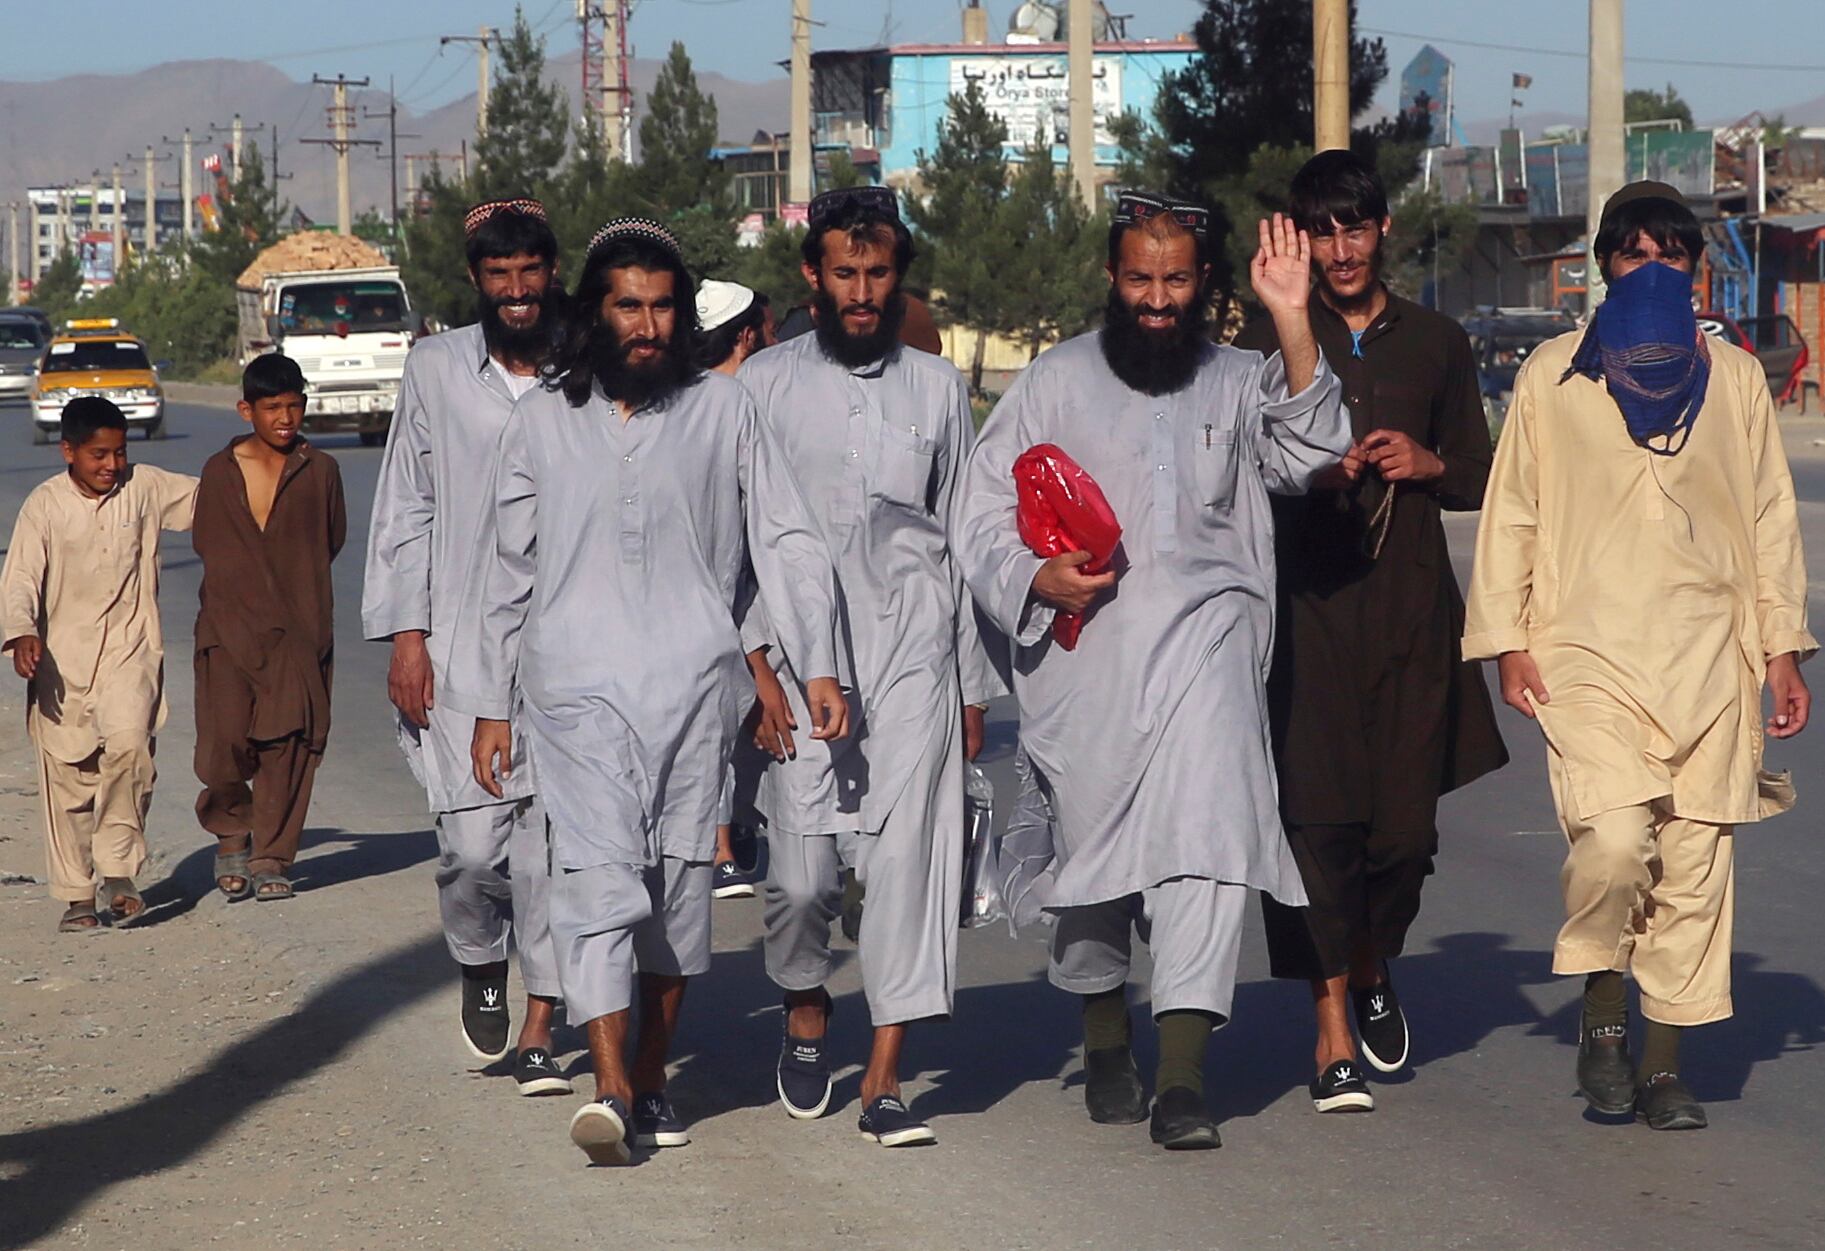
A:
(656, 1124)
(887, 1122)
(803, 1078)
(486, 1020)
(600, 1130)
(1382, 1026)
(1340, 1088)
(535, 1072)
(730, 881)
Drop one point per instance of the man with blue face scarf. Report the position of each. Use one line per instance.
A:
(1639, 580)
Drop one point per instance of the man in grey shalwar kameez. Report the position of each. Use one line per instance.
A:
(621, 502)
(422, 550)
(1150, 740)
(877, 434)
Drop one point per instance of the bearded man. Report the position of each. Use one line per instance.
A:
(1150, 740)
(423, 551)
(877, 432)
(624, 496)
(1639, 580)
(1374, 714)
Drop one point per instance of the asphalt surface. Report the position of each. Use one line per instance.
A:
(260, 1075)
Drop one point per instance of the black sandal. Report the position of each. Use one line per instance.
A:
(233, 867)
(268, 887)
(79, 918)
(121, 890)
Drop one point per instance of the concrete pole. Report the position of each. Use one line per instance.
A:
(1607, 164)
(481, 95)
(975, 24)
(234, 137)
(35, 262)
(184, 189)
(12, 252)
(1079, 84)
(340, 123)
(798, 190)
(120, 222)
(149, 243)
(1330, 74)
(611, 82)
(94, 203)
(412, 181)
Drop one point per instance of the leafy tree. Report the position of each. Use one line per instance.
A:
(773, 267)
(1054, 279)
(1248, 88)
(249, 223)
(434, 266)
(527, 125)
(842, 173)
(676, 171)
(59, 285)
(707, 235)
(1644, 104)
(959, 216)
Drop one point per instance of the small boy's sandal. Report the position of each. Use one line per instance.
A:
(268, 887)
(124, 902)
(231, 877)
(79, 918)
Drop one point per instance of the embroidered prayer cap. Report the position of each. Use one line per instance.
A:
(828, 204)
(719, 303)
(1134, 208)
(473, 219)
(634, 228)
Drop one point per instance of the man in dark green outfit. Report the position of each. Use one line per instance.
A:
(1374, 716)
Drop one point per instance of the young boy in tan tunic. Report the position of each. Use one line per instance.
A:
(80, 594)
(270, 519)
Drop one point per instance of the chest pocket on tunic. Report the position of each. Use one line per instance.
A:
(904, 472)
(1213, 457)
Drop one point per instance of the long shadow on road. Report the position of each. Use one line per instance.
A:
(364, 855)
(50, 1172)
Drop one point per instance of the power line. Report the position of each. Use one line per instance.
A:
(1580, 56)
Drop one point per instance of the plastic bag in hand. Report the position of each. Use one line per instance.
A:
(982, 903)
(1061, 509)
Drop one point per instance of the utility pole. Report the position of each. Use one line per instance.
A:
(234, 146)
(1607, 168)
(1330, 74)
(393, 138)
(12, 252)
(149, 242)
(341, 115)
(481, 42)
(120, 223)
(1080, 82)
(184, 189)
(31, 225)
(798, 190)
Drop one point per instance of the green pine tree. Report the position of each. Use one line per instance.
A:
(59, 285)
(527, 126)
(676, 171)
(435, 266)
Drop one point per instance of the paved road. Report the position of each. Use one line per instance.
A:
(258, 1076)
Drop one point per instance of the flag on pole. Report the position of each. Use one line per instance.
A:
(1523, 81)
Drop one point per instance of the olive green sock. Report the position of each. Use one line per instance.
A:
(1606, 1000)
(1106, 1020)
(1659, 1050)
(1183, 1038)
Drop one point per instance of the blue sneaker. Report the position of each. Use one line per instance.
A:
(600, 1129)
(887, 1121)
(656, 1124)
(804, 1071)
(730, 881)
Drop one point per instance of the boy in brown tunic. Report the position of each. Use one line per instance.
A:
(269, 520)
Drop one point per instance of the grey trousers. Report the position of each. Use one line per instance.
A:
(609, 921)
(493, 882)
(1192, 925)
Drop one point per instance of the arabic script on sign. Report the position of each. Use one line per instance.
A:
(1031, 94)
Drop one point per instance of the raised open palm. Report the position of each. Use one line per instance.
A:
(1281, 272)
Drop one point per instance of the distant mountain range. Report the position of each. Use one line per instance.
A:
(71, 129)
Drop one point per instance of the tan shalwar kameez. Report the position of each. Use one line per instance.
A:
(81, 575)
(1650, 591)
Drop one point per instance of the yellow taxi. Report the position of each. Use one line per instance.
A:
(93, 357)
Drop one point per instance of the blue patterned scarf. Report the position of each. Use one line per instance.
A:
(1645, 344)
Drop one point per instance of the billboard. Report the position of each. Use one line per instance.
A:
(1030, 95)
(95, 251)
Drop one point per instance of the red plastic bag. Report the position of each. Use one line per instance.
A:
(1061, 509)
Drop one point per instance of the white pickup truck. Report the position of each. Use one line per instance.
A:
(349, 329)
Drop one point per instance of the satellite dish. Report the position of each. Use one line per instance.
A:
(1043, 21)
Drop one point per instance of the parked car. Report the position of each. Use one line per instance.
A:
(1502, 339)
(21, 344)
(1774, 341)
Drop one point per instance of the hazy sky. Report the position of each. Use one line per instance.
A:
(1732, 66)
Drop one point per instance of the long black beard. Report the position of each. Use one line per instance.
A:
(1155, 362)
(528, 346)
(855, 350)
(637, 386)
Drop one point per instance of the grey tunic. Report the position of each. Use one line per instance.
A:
(1151, 739)
(880, 451)
(610, 595)
(425, 541)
